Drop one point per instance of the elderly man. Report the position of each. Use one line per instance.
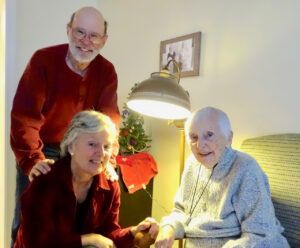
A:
(58, 82)
(224, 197)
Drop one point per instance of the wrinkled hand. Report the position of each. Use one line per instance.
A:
(165, 238)
(97, 241)
(111, 174)
(41, 167)
(148, 224)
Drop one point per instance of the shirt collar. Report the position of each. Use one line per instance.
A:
(100, 181)
(226, 160)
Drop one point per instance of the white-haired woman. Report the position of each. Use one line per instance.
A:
(74, 205)
(224, 198)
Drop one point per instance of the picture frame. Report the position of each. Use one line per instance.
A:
(185, 50)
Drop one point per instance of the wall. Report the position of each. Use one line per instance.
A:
(249, 66)
(249, 63)
(2, 124)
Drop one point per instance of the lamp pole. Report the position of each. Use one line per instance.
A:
(181, 164)
(180, 124)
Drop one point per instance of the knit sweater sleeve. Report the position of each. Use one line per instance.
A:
(178, 217)
(254, 210)
(26, 116)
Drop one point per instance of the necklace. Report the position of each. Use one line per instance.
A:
(193, 206)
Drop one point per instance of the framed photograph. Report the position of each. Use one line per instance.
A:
(185, 50)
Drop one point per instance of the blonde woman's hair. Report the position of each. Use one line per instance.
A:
(88, 121)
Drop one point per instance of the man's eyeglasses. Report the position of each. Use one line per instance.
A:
(81, 33)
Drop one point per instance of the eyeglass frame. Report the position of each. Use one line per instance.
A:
(76, 33)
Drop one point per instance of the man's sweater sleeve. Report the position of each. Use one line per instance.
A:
(26, 117)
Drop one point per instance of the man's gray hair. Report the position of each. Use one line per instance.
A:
(88, 121)
(223, 120)
(72, 19)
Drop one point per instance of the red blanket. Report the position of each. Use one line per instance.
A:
(137, 170)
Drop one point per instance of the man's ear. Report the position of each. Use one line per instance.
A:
(230, 138)
(68, 29)
(104, 39)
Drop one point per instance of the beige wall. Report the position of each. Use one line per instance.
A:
(2, 124)
(249, 66)
(249, 63)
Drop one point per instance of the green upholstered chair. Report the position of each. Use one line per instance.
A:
(279, 157)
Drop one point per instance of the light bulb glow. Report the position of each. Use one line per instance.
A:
(158, 109)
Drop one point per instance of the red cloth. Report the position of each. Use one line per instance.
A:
(48, 211)
(49, 94)
(137, 170)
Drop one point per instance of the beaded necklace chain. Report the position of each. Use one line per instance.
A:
(193, 206)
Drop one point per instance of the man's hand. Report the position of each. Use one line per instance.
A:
(165, 238)
(41, 167)
(111, 174)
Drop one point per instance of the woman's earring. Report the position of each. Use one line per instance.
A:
(71, 153)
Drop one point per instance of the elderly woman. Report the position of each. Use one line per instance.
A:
(74, 205)
(224, 197)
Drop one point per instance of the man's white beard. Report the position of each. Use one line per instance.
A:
(82, 59)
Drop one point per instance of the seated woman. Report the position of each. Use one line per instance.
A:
(74, 205)
(224, 197)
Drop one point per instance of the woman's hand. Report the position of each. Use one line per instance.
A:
(165, 238)
(148, 224)
(97, 241)
(110, 173)
(145, 232)
(41, 167)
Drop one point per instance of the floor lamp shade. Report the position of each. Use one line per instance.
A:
(160, 96)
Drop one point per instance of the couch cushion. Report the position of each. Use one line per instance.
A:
(279, 157)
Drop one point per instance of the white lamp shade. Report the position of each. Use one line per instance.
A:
(160, 96)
